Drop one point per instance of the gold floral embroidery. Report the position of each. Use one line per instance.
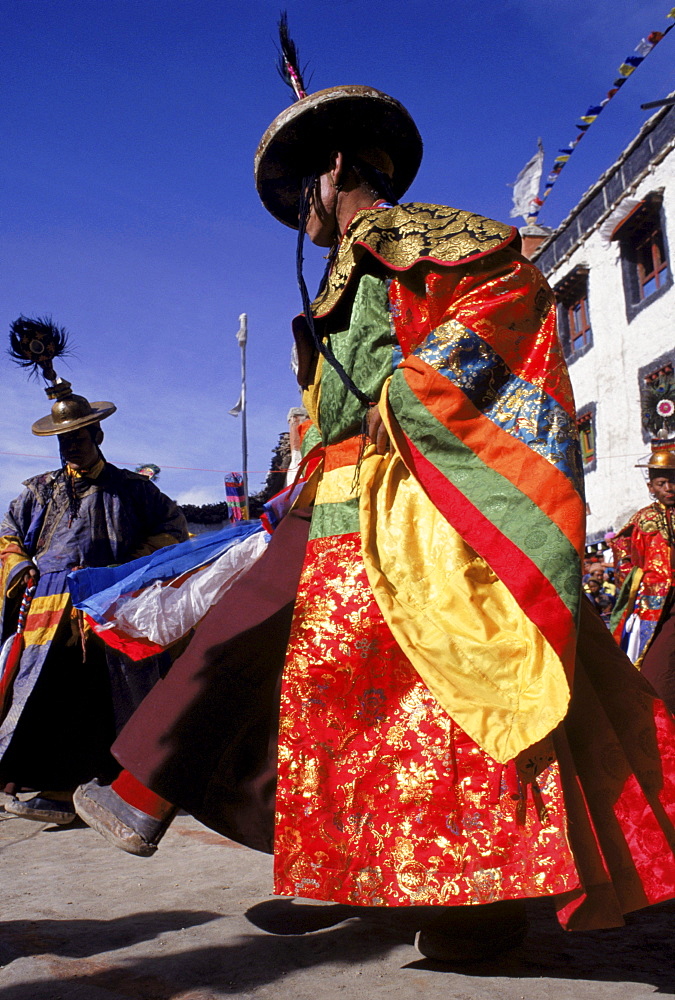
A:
(405, 234)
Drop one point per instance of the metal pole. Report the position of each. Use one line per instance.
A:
(667, 102)
(242, 337)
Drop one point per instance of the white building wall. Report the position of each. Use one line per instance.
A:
(607, 374)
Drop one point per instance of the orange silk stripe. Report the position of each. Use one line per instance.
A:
(531, 473)
(346, 452)
(43, 619)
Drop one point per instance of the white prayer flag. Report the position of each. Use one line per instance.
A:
(526, 187)
(242, 333)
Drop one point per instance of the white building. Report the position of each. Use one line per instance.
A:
(611, 270)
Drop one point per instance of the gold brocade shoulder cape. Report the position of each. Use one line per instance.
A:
(403, 235)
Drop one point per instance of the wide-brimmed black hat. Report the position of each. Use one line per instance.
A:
(351, 119)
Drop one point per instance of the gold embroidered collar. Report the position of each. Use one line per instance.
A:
(653, 519)
(402, 235)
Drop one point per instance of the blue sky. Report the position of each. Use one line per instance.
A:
(129, 212)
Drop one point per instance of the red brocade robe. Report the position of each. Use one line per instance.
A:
(643, 547)
(429, 752)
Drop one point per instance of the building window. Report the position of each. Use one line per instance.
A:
(644, 254)
(580, 328)
(650, 257)
(573, 314)
(586, 426)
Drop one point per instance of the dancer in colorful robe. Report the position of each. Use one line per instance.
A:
(69, 697)
(429, 750)
(644, 622)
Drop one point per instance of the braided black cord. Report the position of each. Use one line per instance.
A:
(73, 498)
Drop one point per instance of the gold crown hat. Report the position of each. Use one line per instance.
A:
(352, 119)
(34, 344)
(662, 456)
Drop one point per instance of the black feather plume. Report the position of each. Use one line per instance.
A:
(288, 65)
(35, 343)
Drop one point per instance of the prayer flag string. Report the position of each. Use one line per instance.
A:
(626, 69)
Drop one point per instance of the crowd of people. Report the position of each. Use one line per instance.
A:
(600, 589)
(406, 698)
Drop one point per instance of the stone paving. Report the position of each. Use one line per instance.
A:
(82, 921)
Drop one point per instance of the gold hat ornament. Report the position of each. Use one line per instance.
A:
(35, 344)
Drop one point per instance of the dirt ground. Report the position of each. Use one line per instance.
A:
(82, 921)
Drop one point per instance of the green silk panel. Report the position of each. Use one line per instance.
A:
(365, 351)
(335, 518)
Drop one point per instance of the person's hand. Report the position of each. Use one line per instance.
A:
(31, 577)
(377, 431)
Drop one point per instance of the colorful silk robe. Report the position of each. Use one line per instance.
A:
(435, 625)
(644, 547)
(121, 516)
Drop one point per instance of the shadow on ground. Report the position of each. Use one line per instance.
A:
(305, 936)
(640, 952)
(79, 938)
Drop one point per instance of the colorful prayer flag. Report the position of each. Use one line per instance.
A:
(627, 67)
(234, 495)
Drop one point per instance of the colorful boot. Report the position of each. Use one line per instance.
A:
(126, 813)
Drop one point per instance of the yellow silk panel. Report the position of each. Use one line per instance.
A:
(43, 618)
(12, 554)
(311, 396)
(337, 485)
(484, 661)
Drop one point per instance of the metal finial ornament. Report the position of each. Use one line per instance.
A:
(36, 343)
(289, 60)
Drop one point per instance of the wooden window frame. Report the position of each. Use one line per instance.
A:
(579, 332)
(644, 254)
(587, 437)
(574, 319)
(653, 241)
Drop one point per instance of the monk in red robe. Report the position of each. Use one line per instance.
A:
(456, 727)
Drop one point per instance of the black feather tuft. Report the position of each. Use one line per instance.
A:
(288, 64)
(35, 343)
